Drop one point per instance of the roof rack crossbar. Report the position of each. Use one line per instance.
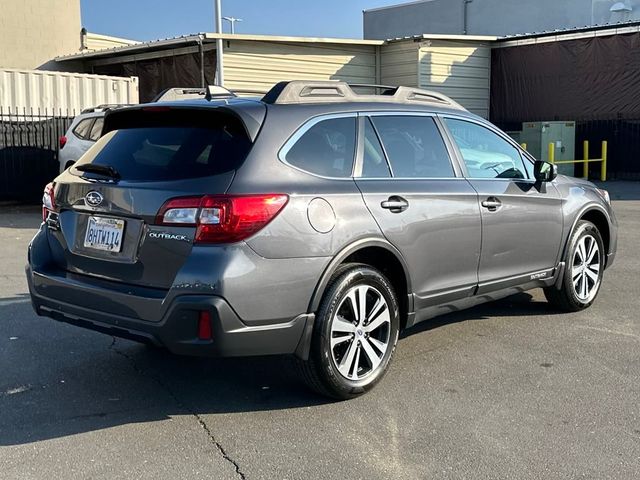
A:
(332, 91)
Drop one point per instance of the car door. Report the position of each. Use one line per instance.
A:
(421, 202)
(521, 220)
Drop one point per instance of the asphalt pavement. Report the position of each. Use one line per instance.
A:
(511, 389)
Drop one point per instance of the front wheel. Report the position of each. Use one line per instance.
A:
(355, 333)
(584, 266)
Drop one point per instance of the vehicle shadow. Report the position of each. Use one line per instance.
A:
(71, 381)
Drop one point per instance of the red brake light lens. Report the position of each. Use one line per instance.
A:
(48, 201)
(204, 326)
(222, 218)
(63, 141)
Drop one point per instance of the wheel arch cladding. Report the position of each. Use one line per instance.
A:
(600, 220)
(383, 257)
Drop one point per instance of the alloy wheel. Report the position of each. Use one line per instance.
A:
(585, 270)
(360, 332)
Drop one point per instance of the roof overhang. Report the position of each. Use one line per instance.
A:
(443, 36)
(195, 39)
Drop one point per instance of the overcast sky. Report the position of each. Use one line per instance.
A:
(153, 19)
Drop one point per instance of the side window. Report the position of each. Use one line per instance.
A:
(374, 163)
(485, 153)
(326, 149)
(96, 130)
(82, 129)
(414, 147)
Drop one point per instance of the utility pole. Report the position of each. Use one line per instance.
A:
(232, 21)
(219, 45)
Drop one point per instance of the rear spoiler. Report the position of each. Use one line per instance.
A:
(251, 114)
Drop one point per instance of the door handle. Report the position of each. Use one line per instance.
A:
(492, 204)
(395, 204)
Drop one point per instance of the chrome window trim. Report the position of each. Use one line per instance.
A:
(304, 128)
(524, 156)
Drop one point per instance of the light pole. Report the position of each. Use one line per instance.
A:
(232, 21)
(219, 46)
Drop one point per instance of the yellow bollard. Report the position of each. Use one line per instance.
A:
(524, 146)
(603, 171)
(552, 153)
(585, 165)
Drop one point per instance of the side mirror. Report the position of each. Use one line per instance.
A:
(545, 171)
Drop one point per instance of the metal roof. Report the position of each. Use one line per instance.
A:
(570, 33)
(194, 39)
(204, 37)
(444, 36)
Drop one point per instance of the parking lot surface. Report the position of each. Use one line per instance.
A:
(511, 389)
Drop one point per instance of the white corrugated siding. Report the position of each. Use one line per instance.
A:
(35, 90)
(399, 64)
(259, 65)
(94, 41)
(460, 70)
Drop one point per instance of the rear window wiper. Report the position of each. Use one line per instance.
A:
(106, 170)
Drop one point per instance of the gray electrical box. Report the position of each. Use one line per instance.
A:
(538, 136)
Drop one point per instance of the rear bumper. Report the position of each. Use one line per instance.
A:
(177, 329)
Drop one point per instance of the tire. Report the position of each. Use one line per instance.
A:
(574, 295)
(354, 365)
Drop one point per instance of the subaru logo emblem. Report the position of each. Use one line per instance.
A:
(93, 198)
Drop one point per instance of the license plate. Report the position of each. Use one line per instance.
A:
(104, 234)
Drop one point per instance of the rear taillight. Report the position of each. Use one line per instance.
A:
(48, 201)
(222, 218)
(62, 141)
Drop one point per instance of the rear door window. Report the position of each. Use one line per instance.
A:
(327, 148)
(83, 128)
(374, 162)
(171, 148)
(96, 129)
(414, 146)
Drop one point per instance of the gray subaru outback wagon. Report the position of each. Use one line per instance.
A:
(316, 221)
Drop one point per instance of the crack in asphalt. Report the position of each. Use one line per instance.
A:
(181, 405)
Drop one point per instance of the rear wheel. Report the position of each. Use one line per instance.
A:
(355, 333)
(584, 266)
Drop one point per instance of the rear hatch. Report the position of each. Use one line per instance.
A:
(105, 207)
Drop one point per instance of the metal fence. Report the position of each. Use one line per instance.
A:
(29, 150)
(623, 137)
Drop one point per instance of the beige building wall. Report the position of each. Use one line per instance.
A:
(34, 32)
(399, 63)
(258, 65)
(459, 69)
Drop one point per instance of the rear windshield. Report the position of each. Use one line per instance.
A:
(164, 146)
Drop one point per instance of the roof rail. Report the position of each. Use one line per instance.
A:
(335, 91)
(104, 107)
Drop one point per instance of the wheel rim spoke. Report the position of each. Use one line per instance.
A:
(362, 303)
(591, 252)
(575, 273)
(339, 340)
(374, 360)
(377, 308)
(342, 325)
(353, 302)
(378, 321)
(591, 274)
(346, 364)
(581, 250)
(381, 346)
